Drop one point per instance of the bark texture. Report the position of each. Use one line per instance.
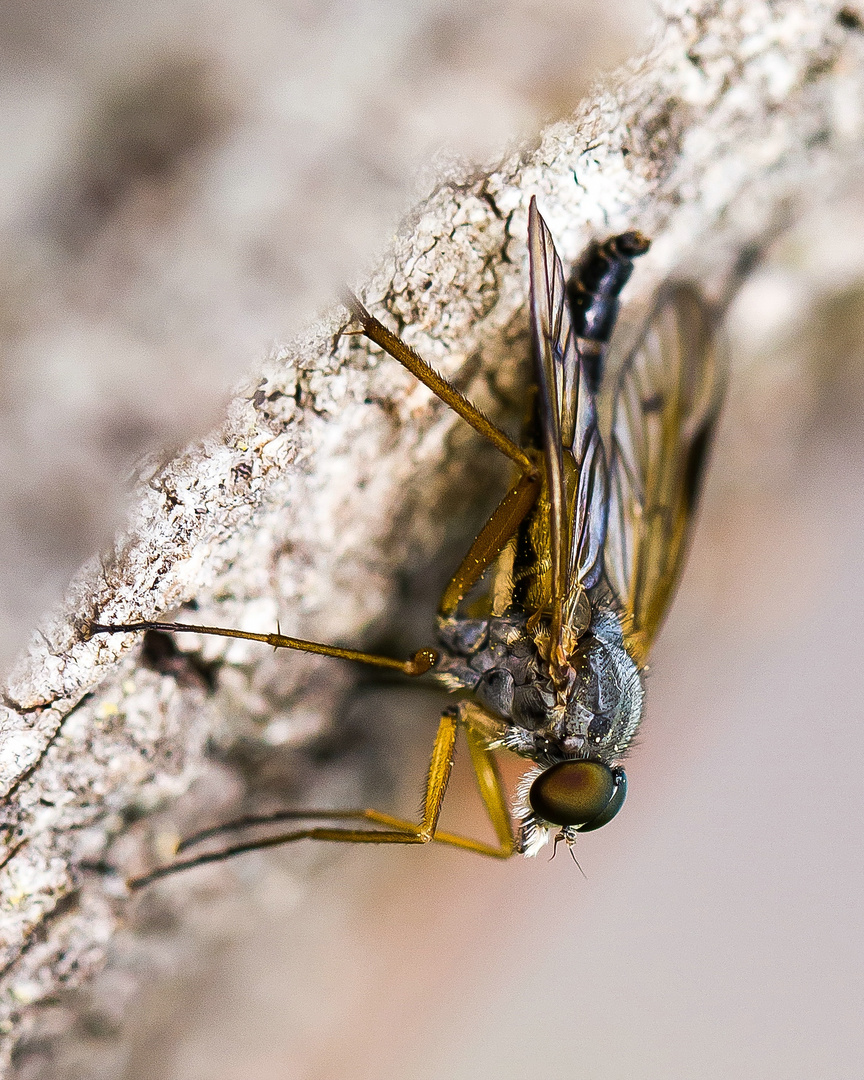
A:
(326, 480)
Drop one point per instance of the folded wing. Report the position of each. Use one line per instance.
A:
(666, 407)
(576, 477)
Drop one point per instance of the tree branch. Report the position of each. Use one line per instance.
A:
(327, 479)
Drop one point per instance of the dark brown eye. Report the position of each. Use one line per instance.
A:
(586, 794)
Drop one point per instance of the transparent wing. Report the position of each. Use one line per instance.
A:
(575, 463)
(666, 406)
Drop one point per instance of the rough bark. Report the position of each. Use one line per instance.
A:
(327, 478)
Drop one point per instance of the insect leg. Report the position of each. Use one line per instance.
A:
(418, 664)
(490, 542)
(439, 386)
(491, 790)
(485, 769)
(395, 830)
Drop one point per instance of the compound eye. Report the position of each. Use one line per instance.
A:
(584, 794)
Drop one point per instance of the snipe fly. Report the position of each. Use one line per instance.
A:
(578, 566)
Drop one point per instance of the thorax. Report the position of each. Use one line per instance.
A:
(594, 713)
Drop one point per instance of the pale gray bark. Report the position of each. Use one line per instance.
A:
(327, 479)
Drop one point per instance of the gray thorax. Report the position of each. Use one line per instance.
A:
(595, 715)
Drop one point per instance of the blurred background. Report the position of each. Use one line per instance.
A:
(183, 184)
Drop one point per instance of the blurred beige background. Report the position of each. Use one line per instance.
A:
(182, 184)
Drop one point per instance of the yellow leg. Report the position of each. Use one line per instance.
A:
(491, 541)
(491, 789)
(516, 504)
(394, 830)
(488, 545)
(418, 664)
(439, 386)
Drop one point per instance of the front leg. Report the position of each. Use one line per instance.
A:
(392, 830)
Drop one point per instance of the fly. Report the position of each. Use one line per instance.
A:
(583, 555)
